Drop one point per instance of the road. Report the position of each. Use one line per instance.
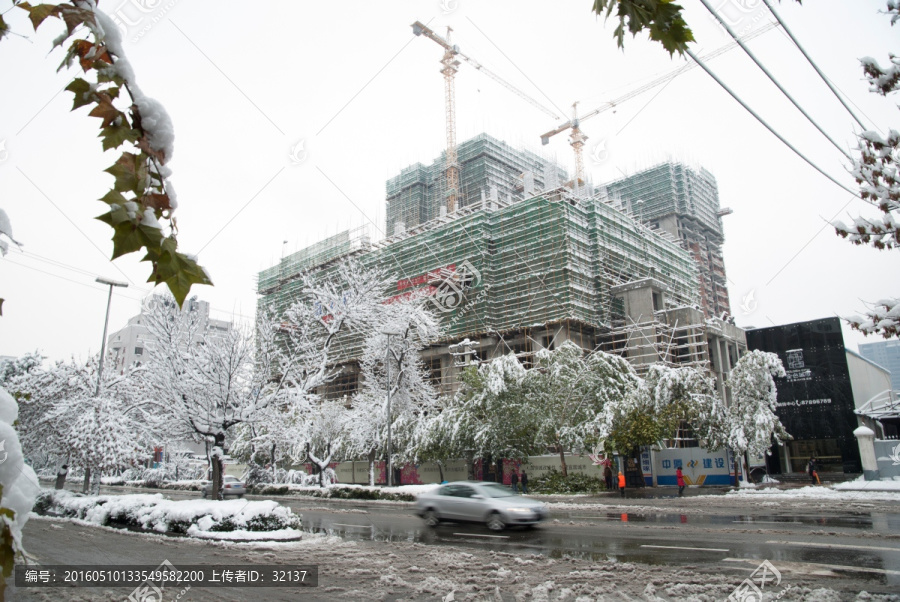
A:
(851, 548)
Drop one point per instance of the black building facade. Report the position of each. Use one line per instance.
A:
(815, 399)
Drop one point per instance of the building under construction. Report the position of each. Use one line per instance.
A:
(487, 167)
(685, 203)
(515, 273)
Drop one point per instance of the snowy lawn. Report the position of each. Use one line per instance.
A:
(231, 519)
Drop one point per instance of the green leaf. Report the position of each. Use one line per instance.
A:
(4, 28)
(38, 13)
(83, 93)
(113, 197)
(115, 135)
(130, 172)
(178, 271)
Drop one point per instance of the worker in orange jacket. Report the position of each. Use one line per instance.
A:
(622, 483)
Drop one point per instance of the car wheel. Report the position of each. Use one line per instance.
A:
(495, 522)
(240, 495)
(431, 518)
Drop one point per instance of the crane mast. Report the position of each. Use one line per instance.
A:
(449, 67)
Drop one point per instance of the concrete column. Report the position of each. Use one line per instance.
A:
(865, 438)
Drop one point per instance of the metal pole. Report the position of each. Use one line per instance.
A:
(111, 284)
(390, 467)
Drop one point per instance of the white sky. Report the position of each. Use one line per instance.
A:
(245, 82)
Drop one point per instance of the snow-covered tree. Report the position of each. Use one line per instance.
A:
(489, 415)
(568, 390)
(750, 422)
(393, 361)
(62, 415)
(207, 382)
(654, 410)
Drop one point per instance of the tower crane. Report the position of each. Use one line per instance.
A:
(450, 66)
(577, 137)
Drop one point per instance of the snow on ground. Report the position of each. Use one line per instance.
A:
(816, 492)
(861, 484)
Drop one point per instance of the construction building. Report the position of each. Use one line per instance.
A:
(685, 203)
(525, 268)
(487, 166)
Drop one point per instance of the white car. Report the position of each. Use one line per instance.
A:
(490, 503)
(230, 486)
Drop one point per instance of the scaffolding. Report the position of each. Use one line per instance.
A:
(488, 168)
(510, 276)
(684, 202)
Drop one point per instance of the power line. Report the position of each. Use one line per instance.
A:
(765, 123)
(811, 62)
(749, 52)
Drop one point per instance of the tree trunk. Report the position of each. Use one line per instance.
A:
(562, 461)
(95, 482)
(87, 480)
(273, 458)
(218, 468)
(440, 466)
(470, 465)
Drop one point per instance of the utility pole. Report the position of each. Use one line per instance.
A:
(111, 284)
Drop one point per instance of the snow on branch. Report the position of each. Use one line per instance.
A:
(882, 317)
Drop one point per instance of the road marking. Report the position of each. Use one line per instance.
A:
(682, 548)
(480, 535)
(766, 522)
(359, 526)
(811, 566)
(833, 545)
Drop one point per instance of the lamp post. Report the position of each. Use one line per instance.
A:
(111, 284)
(387, 366)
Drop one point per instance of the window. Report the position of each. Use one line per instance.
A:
(138, 350)
(433, 367)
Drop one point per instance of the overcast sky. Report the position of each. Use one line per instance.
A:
(245, 82)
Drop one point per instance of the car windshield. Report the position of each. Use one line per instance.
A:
(496, 490)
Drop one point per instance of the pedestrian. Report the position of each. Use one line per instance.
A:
(622, 483)
(61, 476)
(524, 482)
(679, 477)
(811, 468)
(607, 476)
(514, 481)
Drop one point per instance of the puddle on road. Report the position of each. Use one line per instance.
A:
(600, 547)
(891, 522)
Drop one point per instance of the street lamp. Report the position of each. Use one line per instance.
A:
(387, 366)
(111, 284)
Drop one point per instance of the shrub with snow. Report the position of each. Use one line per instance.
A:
(153, 513)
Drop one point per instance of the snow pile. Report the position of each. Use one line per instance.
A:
(846, 494)
(861, 484)
(19, 483)
(197, 518)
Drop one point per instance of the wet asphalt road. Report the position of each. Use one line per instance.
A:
(840, 543)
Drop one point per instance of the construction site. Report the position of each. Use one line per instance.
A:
(514, 257)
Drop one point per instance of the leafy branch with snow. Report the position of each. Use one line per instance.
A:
(142, 197)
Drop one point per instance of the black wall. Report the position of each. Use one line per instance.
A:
(815, 400)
